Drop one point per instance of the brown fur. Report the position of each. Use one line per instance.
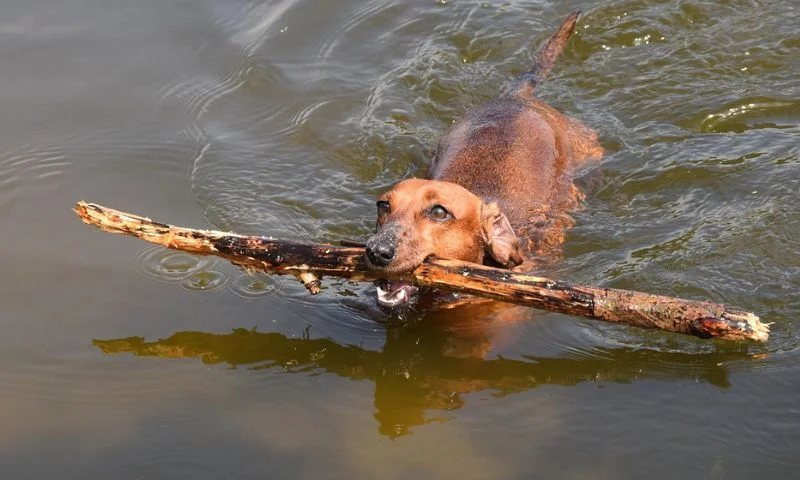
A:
(503, 171)
(475, 229)
(522, 154)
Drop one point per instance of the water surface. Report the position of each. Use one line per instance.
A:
(286, 118)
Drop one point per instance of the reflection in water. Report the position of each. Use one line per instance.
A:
(422, 368)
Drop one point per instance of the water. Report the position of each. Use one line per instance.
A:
(286, 118)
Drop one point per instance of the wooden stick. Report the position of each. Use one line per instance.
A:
(308, 261)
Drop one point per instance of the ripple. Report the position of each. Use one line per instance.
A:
(255, 285)
(198, 93)
(20, 166)
(97, 152)
(774, 361)
(238, 31)
(353, 20)
(257, 23)
(782, 352)
(753, 114)
(698, 57)
(343, 310)
(559, 336)
(174, 266)
(204, 280)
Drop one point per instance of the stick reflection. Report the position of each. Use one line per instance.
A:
(416, 382)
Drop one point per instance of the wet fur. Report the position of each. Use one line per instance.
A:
(504, 170)
(521, 153)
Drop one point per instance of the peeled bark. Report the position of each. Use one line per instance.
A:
(308, 261)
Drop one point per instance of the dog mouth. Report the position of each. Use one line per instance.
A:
(395, 294)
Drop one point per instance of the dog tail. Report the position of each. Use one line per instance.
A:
(545, 60)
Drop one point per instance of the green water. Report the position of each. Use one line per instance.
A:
(287, 118)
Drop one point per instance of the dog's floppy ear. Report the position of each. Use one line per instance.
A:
(501, 242)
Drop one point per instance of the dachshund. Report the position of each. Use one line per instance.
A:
(499, 187)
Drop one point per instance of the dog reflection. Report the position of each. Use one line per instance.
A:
(424, 370)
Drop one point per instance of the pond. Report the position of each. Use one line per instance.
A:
(287, 118)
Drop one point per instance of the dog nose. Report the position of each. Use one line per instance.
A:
(380, 254)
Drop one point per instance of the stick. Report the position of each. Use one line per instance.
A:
(700, 318)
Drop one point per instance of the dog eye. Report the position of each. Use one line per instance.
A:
(383, 207)
(438, 212)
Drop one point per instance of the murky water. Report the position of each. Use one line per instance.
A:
(286, 118)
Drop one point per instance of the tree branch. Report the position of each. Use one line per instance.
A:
(308, 261)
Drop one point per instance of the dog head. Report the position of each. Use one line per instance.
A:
(418, 219)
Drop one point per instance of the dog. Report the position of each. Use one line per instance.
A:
(499, 187)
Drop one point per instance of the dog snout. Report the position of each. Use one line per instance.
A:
(381, 249)
(380, 254)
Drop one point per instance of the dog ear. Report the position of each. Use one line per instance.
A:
(502, 243)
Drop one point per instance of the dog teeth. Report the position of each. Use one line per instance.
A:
(391, 298)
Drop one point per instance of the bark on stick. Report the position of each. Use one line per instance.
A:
(308, 261)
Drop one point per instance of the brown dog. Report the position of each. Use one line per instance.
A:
(500, 185)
